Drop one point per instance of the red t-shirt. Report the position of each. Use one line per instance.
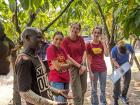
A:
(97, 53)
(54, 53)
(74, 48)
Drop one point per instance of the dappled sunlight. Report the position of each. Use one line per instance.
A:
(6, 88)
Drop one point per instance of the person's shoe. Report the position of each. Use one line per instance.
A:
(115, 102)
(124, 99)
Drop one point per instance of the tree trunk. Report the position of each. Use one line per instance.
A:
(52, 22)
(16, 96)
(135, 58)
(137, 62)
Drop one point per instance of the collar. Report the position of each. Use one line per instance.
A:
(30, 51)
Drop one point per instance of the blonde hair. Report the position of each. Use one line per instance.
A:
(76, 23)
(121, 43)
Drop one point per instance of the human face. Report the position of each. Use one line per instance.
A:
(35, 40)
(74, 31)
(57, 40)
(96, 34)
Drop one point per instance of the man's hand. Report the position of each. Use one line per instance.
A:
(65, 94)
(117, 66)
(82, 70)
(92, 76)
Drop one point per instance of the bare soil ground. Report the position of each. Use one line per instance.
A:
(133, 94)
(6, 88)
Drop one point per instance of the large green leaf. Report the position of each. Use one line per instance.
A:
(137, 19)
(132, 22)
(12, 5)
(33, 6)
(117, 12)
(82, 4)
(45, 6)
(130, 3)
(25, 4)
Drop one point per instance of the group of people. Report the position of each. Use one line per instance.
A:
(68, 60)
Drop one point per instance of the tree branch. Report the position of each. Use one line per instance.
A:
(103, 18)
(16, 19)
(32, 18)
(113, 26)
(51, 23)
(120, 39)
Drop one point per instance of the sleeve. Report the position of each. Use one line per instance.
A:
(130, 48)
(83, 44)
(113, 53)
(65, 45)
(24, 77)
(51, 55)
(88, 48)
(65, 53)
(102, 46)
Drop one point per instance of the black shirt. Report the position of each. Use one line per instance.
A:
(26, 75)
(32, 75)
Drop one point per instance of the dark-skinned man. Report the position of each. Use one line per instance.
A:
(31, 74)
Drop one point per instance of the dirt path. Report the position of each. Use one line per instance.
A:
(6, 88)
(133, 94)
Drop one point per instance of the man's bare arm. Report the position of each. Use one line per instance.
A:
(35, 99)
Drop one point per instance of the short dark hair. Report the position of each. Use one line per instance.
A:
(58, 33)
(29, 31)
(97, 27)
(122, 49)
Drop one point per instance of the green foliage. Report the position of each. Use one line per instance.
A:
(126, 14)
(25, 4)
(12, 5)
(132, 22)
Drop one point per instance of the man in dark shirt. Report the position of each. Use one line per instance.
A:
(31, 75)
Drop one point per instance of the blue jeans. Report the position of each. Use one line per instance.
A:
(61, 86)
(102, 79)
(117, 87)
